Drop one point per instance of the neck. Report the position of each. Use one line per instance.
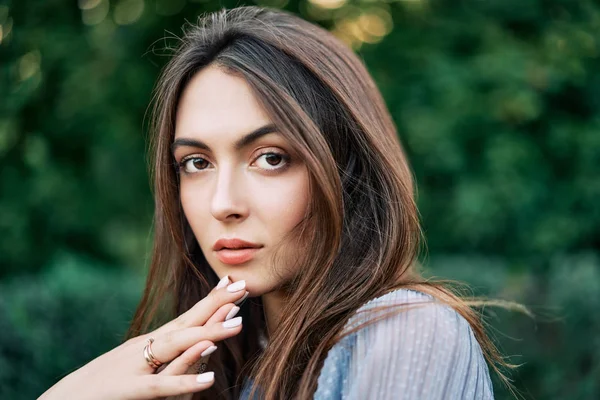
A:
(273, 304)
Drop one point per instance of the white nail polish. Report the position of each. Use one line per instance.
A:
(232, 313)
(223, 282)
(236, 286)
(208, 351)
(232, 323)
(206, 377)
(240, 301)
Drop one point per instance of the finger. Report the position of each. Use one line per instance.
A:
(240, 301)
(153, 386)
(185, 362)
(170, 345)
(205, 308)
(224, 282)
(225, 313)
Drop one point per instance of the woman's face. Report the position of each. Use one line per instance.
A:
(239, 179)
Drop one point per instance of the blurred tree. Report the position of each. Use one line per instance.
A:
(59, 321)
(496, 102)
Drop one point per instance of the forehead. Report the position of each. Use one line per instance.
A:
(215, 103)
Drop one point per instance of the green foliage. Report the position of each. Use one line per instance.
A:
(559, 347)
(59, 320)
(495, 101)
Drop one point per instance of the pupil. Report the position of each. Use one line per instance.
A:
(199, 163)
(273, 157)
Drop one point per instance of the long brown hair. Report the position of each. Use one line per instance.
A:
(362, 226)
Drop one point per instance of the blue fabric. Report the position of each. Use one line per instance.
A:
(425, 352)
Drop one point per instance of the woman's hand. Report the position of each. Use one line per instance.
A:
(124, 373)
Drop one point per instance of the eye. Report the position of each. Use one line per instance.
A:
(193, 164)
(271, 160)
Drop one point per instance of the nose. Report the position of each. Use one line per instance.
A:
(228, 203)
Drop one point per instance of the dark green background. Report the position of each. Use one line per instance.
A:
(496, 101)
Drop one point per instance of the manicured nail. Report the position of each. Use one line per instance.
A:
(223, 282)
(232, 313)
(240, 301)
(236, 286)
(206, 377)
(208, 351)
(232, 323)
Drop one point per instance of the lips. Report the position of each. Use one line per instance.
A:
(235, 257)
(235, 251)
(234, 244)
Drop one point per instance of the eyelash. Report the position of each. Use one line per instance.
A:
(180, 166)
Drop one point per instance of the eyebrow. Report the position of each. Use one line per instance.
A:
(238, 145)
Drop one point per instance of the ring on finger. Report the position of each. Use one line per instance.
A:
(149, 355)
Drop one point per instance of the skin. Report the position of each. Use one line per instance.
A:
(238, 193)
(234, 193)
(123, 372)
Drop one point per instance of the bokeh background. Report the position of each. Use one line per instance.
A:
(496, 101)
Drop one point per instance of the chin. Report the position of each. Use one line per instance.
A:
(255, 286)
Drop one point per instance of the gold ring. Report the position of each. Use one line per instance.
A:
(149, 355)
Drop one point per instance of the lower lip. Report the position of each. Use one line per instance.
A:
(237, 256)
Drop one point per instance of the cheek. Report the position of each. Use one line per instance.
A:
(195, 203)
(283, 204)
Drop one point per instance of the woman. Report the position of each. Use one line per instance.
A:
(281, 186)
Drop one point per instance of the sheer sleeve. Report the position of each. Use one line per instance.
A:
(424, 352)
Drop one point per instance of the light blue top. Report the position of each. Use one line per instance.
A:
(424, 352)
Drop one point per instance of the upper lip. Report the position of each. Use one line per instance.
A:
(233, 244)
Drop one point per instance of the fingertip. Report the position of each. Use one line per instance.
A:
(209, 350)
(204, 344)
(232, 313)
(206, 377)
(242, 299)
(223, 282)
(232, 323)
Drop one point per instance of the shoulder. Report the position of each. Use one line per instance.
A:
(422, 348)
(411, 323)
(405, 308)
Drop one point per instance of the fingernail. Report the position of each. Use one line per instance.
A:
(232, 313)
(208, 351)
(232, 323)
(205, 377)
(223, 282)
(240, 301)
(236, 286)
